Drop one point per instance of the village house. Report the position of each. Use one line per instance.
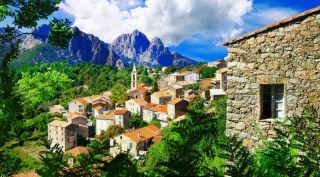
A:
(177, 107)
(135, 106)
(163, 82)
(191, 76)
(98, 109)
(136, 142)
(81, 122)
(62, 133)
(121, 117)
(219, 84)
(218, 64)
(75, 152)
(155, 111)
(273, 73)
(57, 110)
(78, 105)
(162, 96)
(176, 90)
(104, 121)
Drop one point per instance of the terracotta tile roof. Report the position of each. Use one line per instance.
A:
(206, 83)
(160, 108)
(77, 151)
(148, 106)
(73, 115)
(142, 134)
(27, 174)
(157, 138)
(142, 89)
(120, 112)
(82, 101)
(59, 123)
(163, 93)
(222, 70)
(175, 101)
(108, 116)
(274, 25)
(140, 101)
(98, 108)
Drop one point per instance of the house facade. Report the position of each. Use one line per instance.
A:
(136, 142)
(62, 133)
(121, 117)
(135, 106)
(191, 76)
(273, 73)
(78, 105)
(103, 122)
(162, 96)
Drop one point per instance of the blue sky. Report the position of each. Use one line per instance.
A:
(194, 28)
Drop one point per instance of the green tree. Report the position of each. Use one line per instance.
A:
(111, 132)
(119, 94)
(136, 121)
(42, 87)
(155, 122)
(25, 14)
(187, 148)
(208, 72)
(10, 163)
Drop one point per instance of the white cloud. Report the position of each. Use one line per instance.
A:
(264, 15)
(171, 20)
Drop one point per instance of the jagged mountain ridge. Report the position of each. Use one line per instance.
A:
(125, 50)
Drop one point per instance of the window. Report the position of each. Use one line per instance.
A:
(272, 101)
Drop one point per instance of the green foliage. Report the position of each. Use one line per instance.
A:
(10, 163)
(208, 72)
(53, 161)
(122, 166)
(136, 121)
(155, 122)
(119, 94)
(144, 76)
(195, 86)
(188, 148)
(39, 122)
(60, 32)
(111, 132)
(41, 87)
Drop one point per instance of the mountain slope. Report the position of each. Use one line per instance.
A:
(125, 50)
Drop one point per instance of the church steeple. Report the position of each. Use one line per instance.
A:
(134, 78)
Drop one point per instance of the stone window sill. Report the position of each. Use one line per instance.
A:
(272, 120)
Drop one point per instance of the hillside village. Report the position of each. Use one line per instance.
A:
(254, 113)
(168, 105)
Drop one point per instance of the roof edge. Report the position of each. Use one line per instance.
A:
(273, 25)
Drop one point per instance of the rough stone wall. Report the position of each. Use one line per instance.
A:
(289, 55)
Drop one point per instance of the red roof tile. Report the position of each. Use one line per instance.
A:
(120, 112)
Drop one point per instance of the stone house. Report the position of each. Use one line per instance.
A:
(163, 82)
(156, 111)
(121, 117)
(273, 73)
(135, 106)
(98, 109)
(75, 152)
(162, 96)
(103, 122)
(218, 64)
(62, 133)
(176, 90)
(136, 142)
(175, 77)
(141, 92)
(177, 107)
(78, 105)
(81, 122)
(191, 76)
(57, 110)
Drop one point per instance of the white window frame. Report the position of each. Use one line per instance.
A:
(273, 102)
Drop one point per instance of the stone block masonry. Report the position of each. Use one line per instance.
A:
(287, 54)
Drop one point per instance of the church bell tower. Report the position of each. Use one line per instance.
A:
(134, 78)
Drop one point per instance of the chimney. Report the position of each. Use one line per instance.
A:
(139, 134)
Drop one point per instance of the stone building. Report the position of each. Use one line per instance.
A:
(273, 73)
(62, 133)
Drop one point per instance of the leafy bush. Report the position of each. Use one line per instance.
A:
(136, 121)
